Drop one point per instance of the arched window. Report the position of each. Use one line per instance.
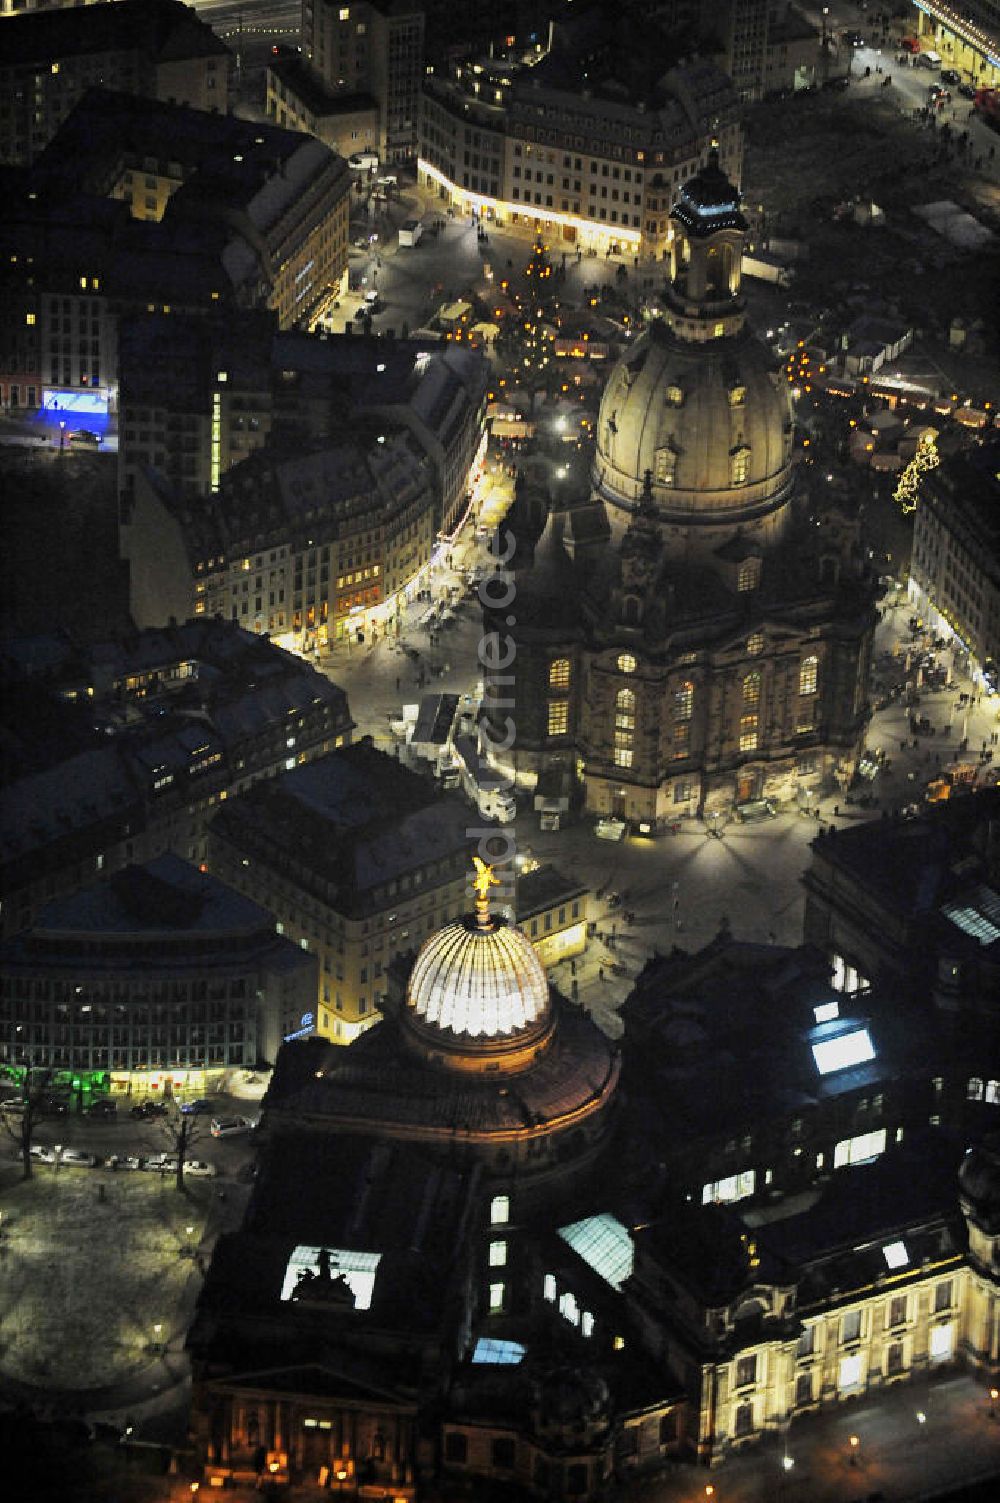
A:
(559, 673)
(748, 733)
(626, 663)
(748, 575)
(739, 463)
(666, 464)
(755, 644)
(625, 704)
(684, 701)
(808, 675)
(751, 689)
(630, 610)
(673, 396)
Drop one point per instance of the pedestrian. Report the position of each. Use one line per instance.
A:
(397, 686)
(600, 973)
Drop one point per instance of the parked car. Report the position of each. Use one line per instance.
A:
(160, 1163)
(83, 438)
(123, 1161)
(13, 1107)
(104, 1107)
(42, 1154)
(225, 1127)
(78, 1156)
(200, 1108)
(149, 1109)
(199, 1169)
(948, 75)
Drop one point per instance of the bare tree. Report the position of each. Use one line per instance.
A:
(22, 1128)
(183, 1132)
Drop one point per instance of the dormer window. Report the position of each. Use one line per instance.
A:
(737, 396)
(673, 396)
(665, 465)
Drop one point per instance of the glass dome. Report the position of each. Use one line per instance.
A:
(478, 982)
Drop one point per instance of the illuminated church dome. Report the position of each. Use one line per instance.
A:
(696, 408)
(478, 984)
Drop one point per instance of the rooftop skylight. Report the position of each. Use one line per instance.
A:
(604, 1244)
(843, 1052)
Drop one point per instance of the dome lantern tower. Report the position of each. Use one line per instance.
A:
(705, 266)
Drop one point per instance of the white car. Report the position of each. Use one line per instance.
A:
(226, 1127)
(199, 1169)
(363, 161)
(78, 1156)
(42, 1154)
(123, 1161)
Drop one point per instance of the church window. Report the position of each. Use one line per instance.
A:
(755, 643)
(498, 1253)
(558, 717)
(626, 663)
(559, 673)
(499, 1210)
(739, 463)
(805, 722)
(623, 749)
(748, 733)
(748, 575)
(808, 675)
(684, 701)
(673, 396)
(666, 463)
(737, 396)
(625, 710)
(751, 689)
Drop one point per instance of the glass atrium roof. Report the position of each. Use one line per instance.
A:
(604, 1245)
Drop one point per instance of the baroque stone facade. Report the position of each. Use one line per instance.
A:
(687, 637)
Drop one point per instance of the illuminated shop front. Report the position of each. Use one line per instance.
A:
(587, 234)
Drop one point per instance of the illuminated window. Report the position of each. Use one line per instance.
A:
(625, 710)
(748, 575)
(740, 466)
(558, 720)
(850, 1372)
(684, 701)
(549, 1288)
(942, 1341)
(719, 331)
(587, 1324)
(737, 396)
(673, 396)
(29, 319)
(496, 1298)
(499, 1210)
(859, 1150)
(83, 283)
(345, 13)
(559, 673)
(755, 644)
(498, 1254)
(665, 464)
(751, 689)
(626, 663)
(568, 1308)
(682, 738)
(808, 675)
(748, 733)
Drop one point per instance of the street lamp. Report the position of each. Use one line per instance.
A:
(62, 434)
(854, 1443)
(994, 1395)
